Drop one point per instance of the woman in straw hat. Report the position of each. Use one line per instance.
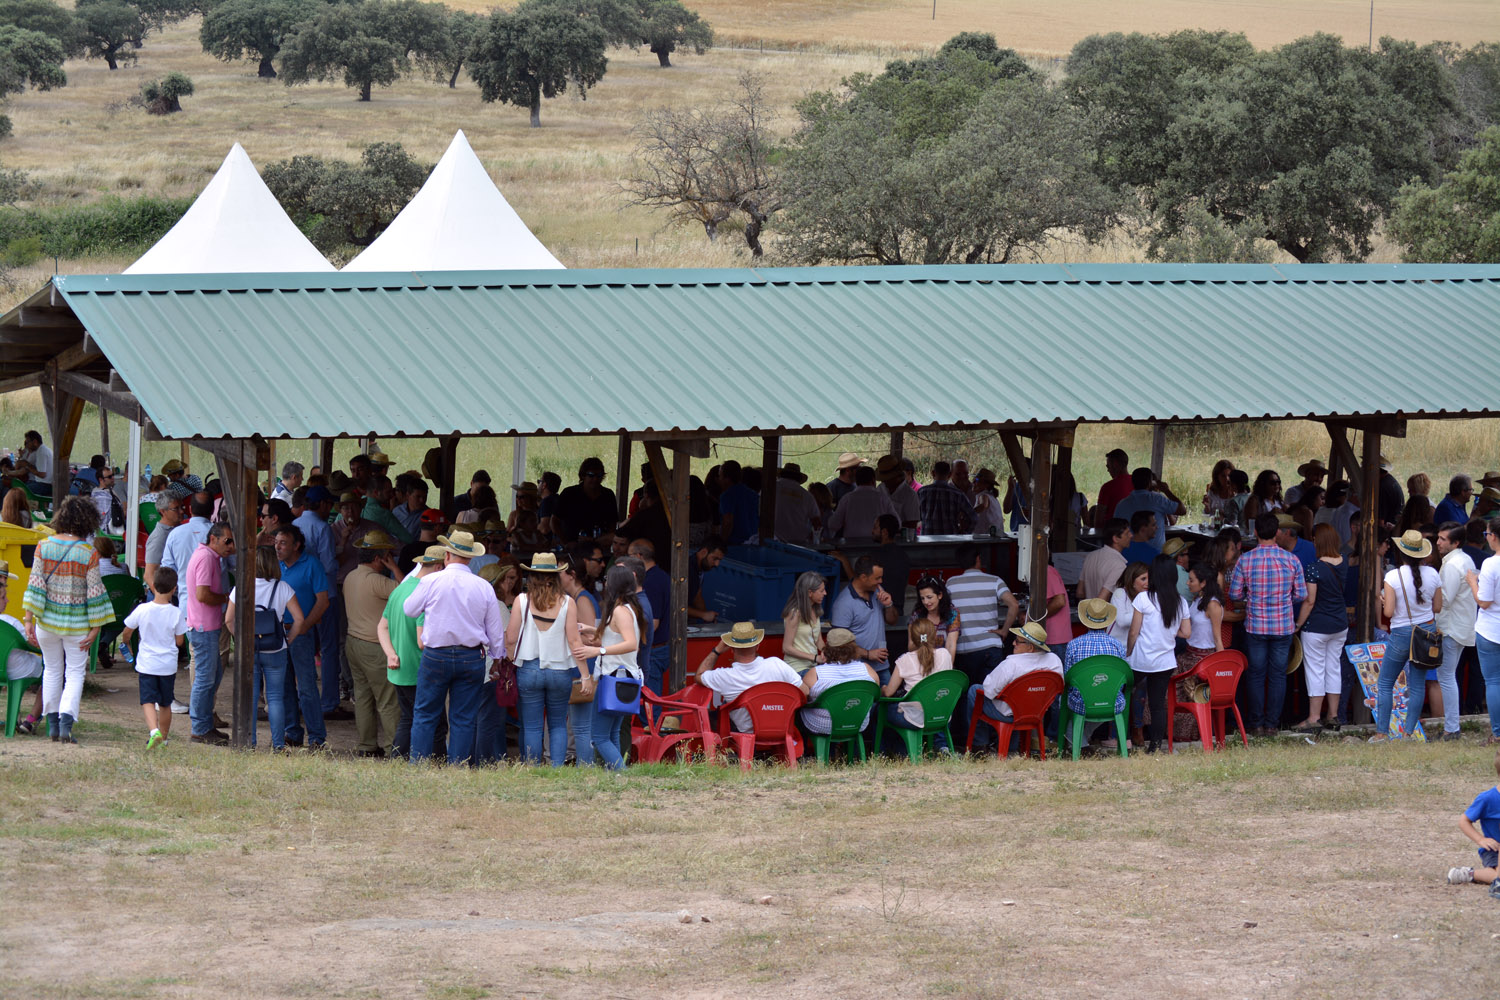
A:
(544, 633)
(1412, 595)
(840, 665)
(1159, 617)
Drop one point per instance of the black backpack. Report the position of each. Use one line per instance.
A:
(270, 633)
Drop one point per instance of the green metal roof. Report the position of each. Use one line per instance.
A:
(864, 348)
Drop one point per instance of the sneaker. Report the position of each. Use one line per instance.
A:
(1460, 876)
(1379, 738)
(1450, 737)
(155, 740)
(212, 738)
(1495, 889)
(294, 741)
(178, 708)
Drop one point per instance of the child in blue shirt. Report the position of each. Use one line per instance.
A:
(1481, 824)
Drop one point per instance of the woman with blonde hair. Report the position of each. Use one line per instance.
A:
(925, 655)
(543, 631)
(802, 645)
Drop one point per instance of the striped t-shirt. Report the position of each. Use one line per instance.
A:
(976, 598)
(65, 591)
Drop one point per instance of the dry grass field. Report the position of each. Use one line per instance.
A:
(1287, 871)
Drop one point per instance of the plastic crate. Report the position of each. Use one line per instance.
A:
(741, 591)
(18, 548)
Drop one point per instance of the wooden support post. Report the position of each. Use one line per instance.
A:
(104, 436)
(325, 456)
(663, 479)
(770, 451)
(677, 507)
(184, 454)
(1339, 437)
(1158, 448)
(1041, 525)
(622, 479)
(1064, 531)
(1019, 466)
(898, 444)
(517, 468)
(448, 452)
(246, 492)
(1371, 574)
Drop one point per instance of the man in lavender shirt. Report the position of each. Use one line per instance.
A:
(462, 632)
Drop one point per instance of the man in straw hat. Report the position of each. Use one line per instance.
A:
(1487, 504)
(1096, 615)
(1313, 473)
(797, 516)
(462, 632)
(1268, 579)
(842, 483)
(1031, 653)
(748, 669)
(366, 592)
(403, 654)
(892, 476)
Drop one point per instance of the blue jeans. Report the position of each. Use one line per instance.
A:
(1397, 649)
(270, 674)
(328, 644)
(655, 669)
(581, 726)
(301, 702)
(895, 719)
(544, 692)
(454, 674)
(208, 670)
(605, 737)
(1489, 666)
(1265, 677)
(1447, 678)
(489, 729)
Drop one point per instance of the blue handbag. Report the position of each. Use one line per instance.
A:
(619, 694)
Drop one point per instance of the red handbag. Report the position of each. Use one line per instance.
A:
(507, 691)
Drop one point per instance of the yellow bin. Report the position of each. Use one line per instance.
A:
(18, 547)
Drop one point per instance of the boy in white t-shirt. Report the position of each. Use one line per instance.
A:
(162, 626)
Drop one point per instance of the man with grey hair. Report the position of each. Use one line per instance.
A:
(1455, 506)
(291, 478)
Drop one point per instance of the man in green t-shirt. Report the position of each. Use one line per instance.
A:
(398, 637)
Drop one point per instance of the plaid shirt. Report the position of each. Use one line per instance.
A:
(1094, 642)
(1273, 579)
(945, 509)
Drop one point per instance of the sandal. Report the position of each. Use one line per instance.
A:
(26, 727)
(1307, 729)
(1333, 724)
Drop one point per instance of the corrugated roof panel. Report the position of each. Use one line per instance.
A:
(738, 349)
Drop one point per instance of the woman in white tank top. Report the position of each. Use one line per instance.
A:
(543, 631)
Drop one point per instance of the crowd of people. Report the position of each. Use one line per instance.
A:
(368, 597)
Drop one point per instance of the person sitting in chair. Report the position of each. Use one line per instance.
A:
(1029, 654)
(748, 669)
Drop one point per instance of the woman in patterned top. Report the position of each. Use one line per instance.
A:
(935, 605)
(65, 605)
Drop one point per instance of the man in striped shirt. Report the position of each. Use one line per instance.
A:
(979, 598)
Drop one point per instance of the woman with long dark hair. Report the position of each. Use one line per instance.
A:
(935, 604)
(1411, 596)
(802, 618)
(1220, 492)
(1265, 495)
(1159, 618)
(621, 621)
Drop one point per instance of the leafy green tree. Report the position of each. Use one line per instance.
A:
(941, 168)
(112, 30)
(1458, 221)
(27, 59)
(46, 17)
(666, 26)
(365, 44)
(160, 13)
(340, 203)
(463, 28)
(255, 29)
(1476, 85)
(534, 52)
(1203, 238)
(164, 96)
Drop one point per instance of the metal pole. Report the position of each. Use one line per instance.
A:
(133, 501)
(517, 467)
(1372, 24)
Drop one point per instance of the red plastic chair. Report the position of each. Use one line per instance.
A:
(773, 723)
(1029, 696)
(689, 708)
(1221, 671)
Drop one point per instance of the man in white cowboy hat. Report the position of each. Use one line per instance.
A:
(797, 517)
(366, 592)
(748, 669)
(1268, 580)
(403, 653)
(462, 632)
(1313, 473)
(892, 476)
(1030, 654)
(842, 483)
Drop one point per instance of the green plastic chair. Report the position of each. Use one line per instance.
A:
(848, 706)
(125, 592)
(938, 694)
(37, 506)
(15, 690)
(150, 517)
(1100, 680)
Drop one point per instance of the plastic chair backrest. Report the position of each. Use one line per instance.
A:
(939, 694)
(1099, 679)
(1221, 671)
(150, 517)
(848, 705)
(10, 641)
(1030, 695)
(772, 707)
(125, 592)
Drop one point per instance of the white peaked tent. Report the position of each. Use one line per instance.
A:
(459, 221)
(236, 226)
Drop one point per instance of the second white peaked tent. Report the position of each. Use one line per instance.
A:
(236, 226)
(459, 221)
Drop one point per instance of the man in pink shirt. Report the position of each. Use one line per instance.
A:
(206, 595)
